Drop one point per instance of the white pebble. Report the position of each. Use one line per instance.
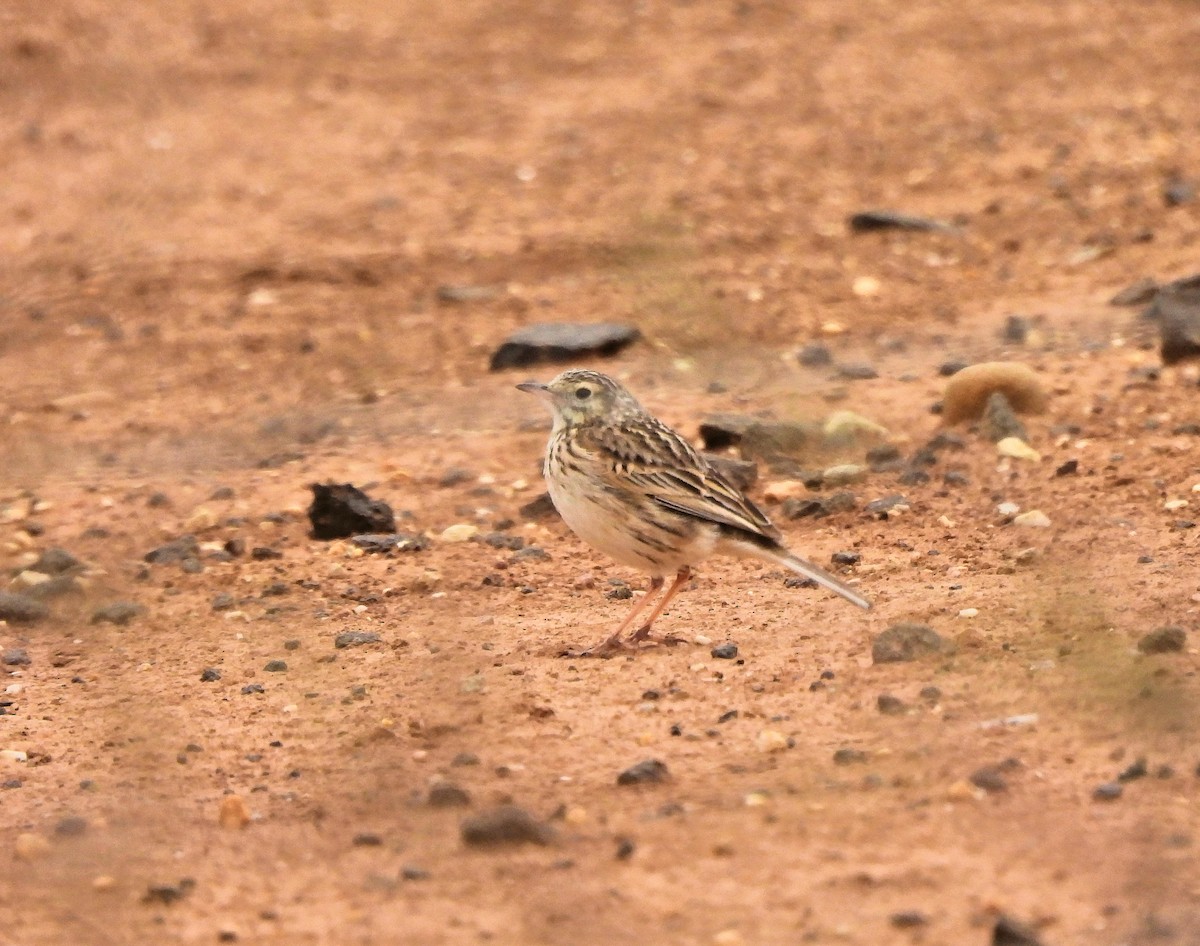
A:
(1021, 719)
(1172, 504)
(1018, 449)
(1034, 518)
(459, 532)
(701, 640)
(14, 755)
(968, 612)
(1008, 509)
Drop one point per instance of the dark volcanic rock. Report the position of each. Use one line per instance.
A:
(1163, 640)
(867, 221)
(644, 773)
(55, 561)
(505, 825)
(905, 641)
(355, 639)
(119, 613)
(177, 550)
(561, 341)
(339, 510)
(1010, 932)
(21, 609)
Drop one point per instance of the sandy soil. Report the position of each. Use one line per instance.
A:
(224, 234)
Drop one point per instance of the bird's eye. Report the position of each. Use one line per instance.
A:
(583, 394)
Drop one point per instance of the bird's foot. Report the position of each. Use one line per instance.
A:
(606, 648)
(643, 635)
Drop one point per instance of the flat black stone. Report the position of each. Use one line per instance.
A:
(561, 341)
(340, 510)
(868, 221)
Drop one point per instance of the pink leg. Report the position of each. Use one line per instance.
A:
(643, 632)
(613, 641)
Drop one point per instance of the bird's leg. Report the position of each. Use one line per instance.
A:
(643, 632)
(613, 641)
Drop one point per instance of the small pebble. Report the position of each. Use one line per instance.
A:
(448, 795)
(276, 666)
(1108, 791)
(1163, 640)
(848, 756)
(771, 740)
(1017, 449)
(355, 639)
(905, 641)
(210, 675)
(505, 825)
(908, 919)
(119, 613)
(726, 651)
(990, 779)
(890, 705)
(15, 657)
(846, 558)
(649, 771)
(1034, 518)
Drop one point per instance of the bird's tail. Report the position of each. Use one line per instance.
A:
(806, 568)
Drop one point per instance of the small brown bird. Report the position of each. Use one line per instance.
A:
(632, 487)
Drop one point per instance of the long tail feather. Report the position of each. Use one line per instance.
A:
(806, 568)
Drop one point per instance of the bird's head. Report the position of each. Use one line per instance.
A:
(581, 397)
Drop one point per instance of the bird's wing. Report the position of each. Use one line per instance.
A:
(646, 455)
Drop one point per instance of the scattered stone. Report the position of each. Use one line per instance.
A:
(210, 675)
(21, 609)
(412, 872)
(845, 558)
(741, 473)
(340, 510)
(448, 795)
(561, 341)
(815, 355)
(883, 457)
(223, 601)
(276, 666)
(843, 474)
(1177, 312)
(1034, 518)
(1010, 932)
(647, 772)
(845, 427)
(72, 826)
(757, 438)
(505, 825)
(867, 221)
(905, 641)
(455, 476)
(56, 561)
(883, 507)
(166, 894)
(384, 543)
(802, 508)
(264, 553)
(233, 813)
(540, 508)
(182, 549)
(1135, 770)
(857, 371)
(913, 477)
(967, 392)
(726, 651)
(1016, 330)
(771, 740)
(30, 847)
(1108, 791)
(1178, 191)
(15, 657)
(1163, 640)
(250, 688)
(999, 421)
(931, 694)
(625, 849)
(890, 705)
(1139, 293)
(848, 756)
(355, 639)
(990, 778)
(119, 613)
(908, 919)
(1018, 449)
(1068, 468)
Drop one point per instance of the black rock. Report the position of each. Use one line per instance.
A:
(625, 849)
(883, 457)
(849, 756)
(1135, 770)
(1177, 191)
(1108, 791)
(948, 369)
(560, 341)
(119, 613)
(1163, 640)
(177, 550)
(857, 371)
(505, 825)
(644, 773)
(726, 651)
(250, 688)
(355, 639)
(455, 476)
(15, 657)
(908, 919)
(21, 609)
(880, 508)
(504, 540)
(1000, 421)
(1067, 468)
(367, 839)
(385, 543)
(210, 675)
(264, 553)
(931, 694)
(890, 705)
(990, 779)
(845, 558)
(340, 510)
(448, 795)
(956, 478)
(412, 872)
(55, 561)
(905, 641)
(223, 601)
(1010, 932)
(276, 666)
(540, 508)
(1016, 330)
(814, 356)
(796, 508)
(866, 221)
(167, 894)
(1177, 311)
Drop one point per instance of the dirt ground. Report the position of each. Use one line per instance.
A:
(224, 231)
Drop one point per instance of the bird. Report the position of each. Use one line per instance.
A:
(633, 488)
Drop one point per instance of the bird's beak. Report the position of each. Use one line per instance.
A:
(533, 387)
